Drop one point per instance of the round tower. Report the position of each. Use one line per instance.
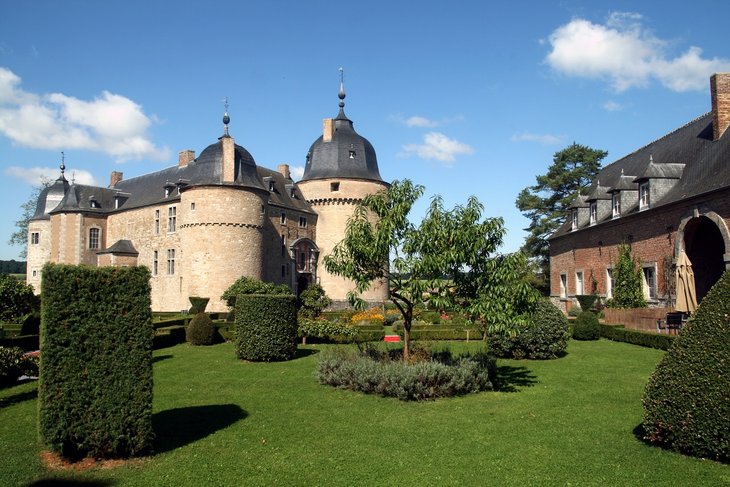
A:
(341, 169)
(223, 213)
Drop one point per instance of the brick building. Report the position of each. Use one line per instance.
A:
(670, 195)
(205, 222)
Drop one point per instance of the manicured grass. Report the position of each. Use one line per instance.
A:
(224, 422)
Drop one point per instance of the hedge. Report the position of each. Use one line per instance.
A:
(28, 343)
(95, 389)
(618, 333)
(266, 327)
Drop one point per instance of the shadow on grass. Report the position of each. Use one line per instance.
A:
(304, 352)
(160, 358)
(70, 483)
(510, 379)
(19, 397)
(180, 426)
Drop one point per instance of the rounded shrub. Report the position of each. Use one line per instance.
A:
(687, 398)
(266, 327)
(11, 365)
(201, 330)
(586, 327)
(544, 335)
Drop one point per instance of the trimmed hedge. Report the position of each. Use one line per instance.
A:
(544, 335)
(618, 333)
(169, 336)
(95, 392)
(197, 305)
(586, 301)
(266, 327)
(687, 398)
(441, 332)
(586, 327)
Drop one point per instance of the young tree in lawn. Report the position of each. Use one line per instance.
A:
(546, 203)
(449, 259)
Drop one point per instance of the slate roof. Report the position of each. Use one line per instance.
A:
(689, 151)
(121, 247)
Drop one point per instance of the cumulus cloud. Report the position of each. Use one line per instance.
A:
(297, 172)
(110, 123)
(625, 52)
(438, 146)
(545, 139)
(612, 106)
(416, 121)
(36, 175)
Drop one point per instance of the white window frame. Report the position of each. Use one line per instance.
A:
(616, 205)
(650, 289)
(563, 285)
(593, 210)
(94, 241)
(644, 196)
(579, 283)
(609, 282)
(574, 219)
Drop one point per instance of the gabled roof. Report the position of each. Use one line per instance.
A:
(121, 247)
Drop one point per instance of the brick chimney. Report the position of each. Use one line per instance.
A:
(185, 157)
(284, 170)
(328, 129)
(720, 93)
(228, 171)
(115, 178)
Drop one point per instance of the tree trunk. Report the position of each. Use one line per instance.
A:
(407, 341)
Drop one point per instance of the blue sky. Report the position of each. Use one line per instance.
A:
(466, 98)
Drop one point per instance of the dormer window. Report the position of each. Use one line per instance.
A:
(302, 222)
(352, 154)
(269, 182)
(271, 186)
(644, 196)
(168, 188)
(593, 213)
(574, 219)
(93, 203)
(616, 204)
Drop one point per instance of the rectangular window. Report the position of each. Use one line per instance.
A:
(282, 218)
(170, 261)
(574, 219)
(94, 237)
(609, 283)
(171, 219)
(616, 203)
(302, 222)
(594, 213)
(334, 187)
(157, 222)
(192, 206)
(644, 196)
(579, 283)
(563, 285)
(283, 245)
(35, 238)
(155, 263)
(649, 282)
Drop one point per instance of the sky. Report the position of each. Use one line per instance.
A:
(463, 97)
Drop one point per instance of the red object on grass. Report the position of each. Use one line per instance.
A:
(391, 338)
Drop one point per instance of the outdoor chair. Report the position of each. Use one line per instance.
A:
(673, 321)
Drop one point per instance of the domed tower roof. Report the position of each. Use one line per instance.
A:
(51, 196)
(341, 152)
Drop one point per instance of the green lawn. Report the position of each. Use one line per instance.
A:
(223, 422)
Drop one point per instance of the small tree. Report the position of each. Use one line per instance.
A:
(450, 258)
(312, 301)
(628, 291)
(16, 298)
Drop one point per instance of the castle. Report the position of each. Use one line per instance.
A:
(204, 223)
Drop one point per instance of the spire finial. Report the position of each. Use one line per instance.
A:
(63, 163)
(341, 94)
(73, 177)
(651, 158)
(226, 118)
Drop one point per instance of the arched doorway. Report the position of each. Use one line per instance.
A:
(305, 254)
(705, 247)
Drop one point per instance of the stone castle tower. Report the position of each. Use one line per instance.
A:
(340, 170)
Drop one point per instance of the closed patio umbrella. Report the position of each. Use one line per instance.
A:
(686, 294)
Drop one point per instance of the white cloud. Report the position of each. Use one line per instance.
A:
(296, 172)
(36, 175)
(612, 106)
(545, 139)
(110, 123)
(628, 54)
(416, 121)
(438, 146)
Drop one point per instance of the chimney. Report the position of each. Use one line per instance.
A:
(185, 157)
(328, 129)
(115, 178)
(228, 171)
(284, 170)
(720, 93)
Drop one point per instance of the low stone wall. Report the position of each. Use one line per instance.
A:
(636, 318)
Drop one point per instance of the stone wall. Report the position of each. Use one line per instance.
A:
(38, 254)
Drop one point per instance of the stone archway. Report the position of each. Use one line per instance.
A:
(705, 239)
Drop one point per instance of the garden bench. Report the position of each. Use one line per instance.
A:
(673, 321)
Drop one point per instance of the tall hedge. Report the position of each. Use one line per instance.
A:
(687, 398)
(266, 327)
(95, 389)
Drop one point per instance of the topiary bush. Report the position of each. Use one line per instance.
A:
(197, 305)
(586, 326)
(687, 399)
(266, 327)
(201, 330)
(313, 301)
(435, 375)
(586, 301)
(249, 285)
(543, 335)
(95, 389)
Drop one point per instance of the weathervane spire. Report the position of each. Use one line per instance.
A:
(63, 163)
(341, 94)
(226, 118)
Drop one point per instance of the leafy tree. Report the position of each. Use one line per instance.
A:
(546, 203)
(454, 243)
(628, 290)
(16, 299)
(312, 301)
(20, 236)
